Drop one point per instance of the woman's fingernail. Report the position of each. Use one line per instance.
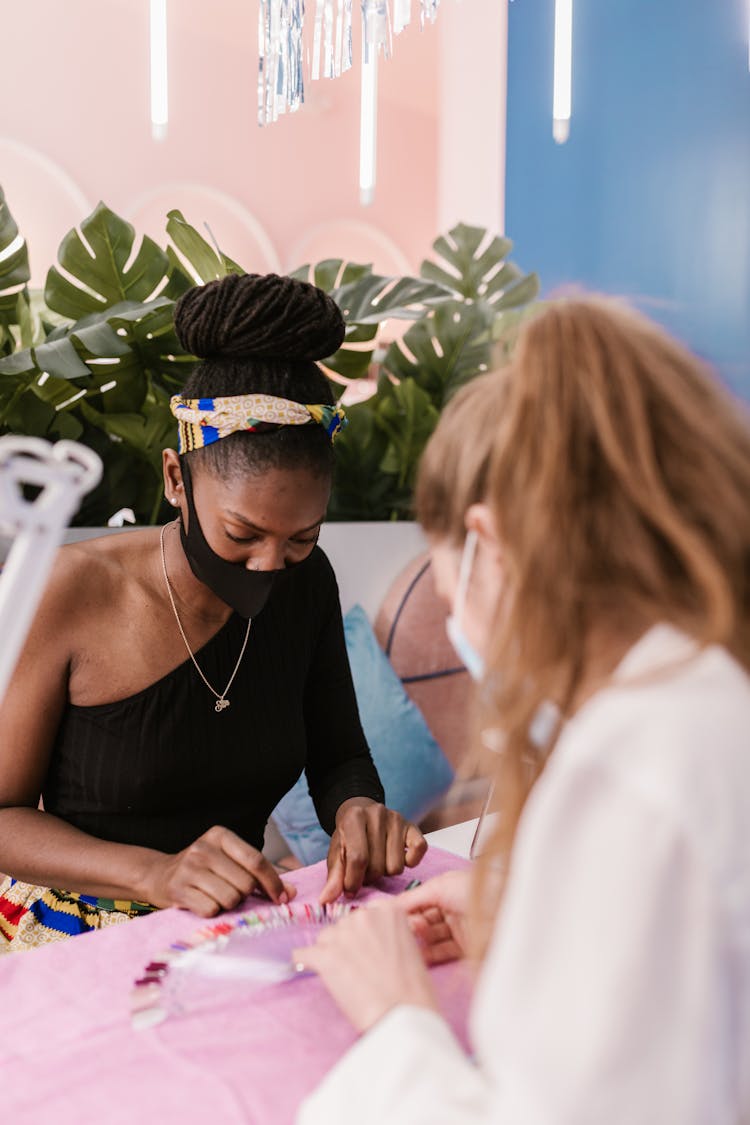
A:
(284, 898)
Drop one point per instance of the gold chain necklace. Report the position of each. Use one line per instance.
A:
(221, 700)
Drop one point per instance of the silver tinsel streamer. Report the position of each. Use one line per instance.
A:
(280, 78)
(376, 26)
(281, 47)
(332, 52)
(428, 11)
(401, 15)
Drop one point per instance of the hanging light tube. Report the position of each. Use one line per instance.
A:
(159, 84)
(563, 75)
(368, 127)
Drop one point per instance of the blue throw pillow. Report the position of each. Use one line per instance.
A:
(412, 767)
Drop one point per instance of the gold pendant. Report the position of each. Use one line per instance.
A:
(221, 704)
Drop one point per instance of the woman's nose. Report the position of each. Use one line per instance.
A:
(268, 557)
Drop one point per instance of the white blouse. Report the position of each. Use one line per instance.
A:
(617, 985)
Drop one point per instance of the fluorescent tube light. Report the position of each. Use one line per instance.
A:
(562, 98)
(368, 128)
(159, 84)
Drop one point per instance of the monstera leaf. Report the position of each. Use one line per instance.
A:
(106, 377)
(149, 332)
(146, 432)
(473, 265)
(506, 327)
(467, 324)
(371, 299)
(366, 300)
(14, 264)
(204, 262)
(332, 273)
(361, 490)
(443, 350)
(117, 357)
(102, 268)
(406, 415)
(128, 481)
(378, 453)
(352, 360)
(98, 361)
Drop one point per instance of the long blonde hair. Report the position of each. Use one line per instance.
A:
(619, 479)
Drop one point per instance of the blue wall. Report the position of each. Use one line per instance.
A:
(650, 196)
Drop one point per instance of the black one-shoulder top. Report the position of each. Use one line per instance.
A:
(161, 767)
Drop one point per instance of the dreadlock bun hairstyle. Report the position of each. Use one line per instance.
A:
(261, 334)
(260, 316)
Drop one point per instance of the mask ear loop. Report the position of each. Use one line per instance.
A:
(493, 740)
(474, 850)
(544, 725)
(464, 573)
(464, 576)
(187, 484)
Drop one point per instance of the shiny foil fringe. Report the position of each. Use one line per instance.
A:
(281, 87)
(428, 11)
(333, 49)
(282, 54)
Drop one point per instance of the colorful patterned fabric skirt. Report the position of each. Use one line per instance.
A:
(33, 916)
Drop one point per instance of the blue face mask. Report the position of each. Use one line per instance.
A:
(547, 718)
(472, 660)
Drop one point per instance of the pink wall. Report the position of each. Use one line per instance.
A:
(472, 112)
(75, 88)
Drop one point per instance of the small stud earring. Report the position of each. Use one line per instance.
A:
(173, 501)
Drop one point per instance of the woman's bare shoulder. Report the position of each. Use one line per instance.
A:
(98, 574)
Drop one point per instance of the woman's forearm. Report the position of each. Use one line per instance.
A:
(38, 848)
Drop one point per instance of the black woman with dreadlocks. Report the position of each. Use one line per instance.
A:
(177, 681)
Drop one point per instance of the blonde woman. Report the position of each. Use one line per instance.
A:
(589, 515)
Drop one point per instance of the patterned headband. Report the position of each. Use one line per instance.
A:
(202, 421)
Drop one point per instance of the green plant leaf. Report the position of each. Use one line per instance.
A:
(146, 434)
(520, 293)
(366, 300)
(374, 298)
(361, 490)
(98, 363)
(60, 358)
(101, 268)
(443, 350)
(332, 272)
(472, 264)
(506, 327)
(30, 326)
(405, 413)
(14, 265)
(202, 259)
(29, 415)
(149, 331)
(65, 425)
(128, 481)
(20, 363)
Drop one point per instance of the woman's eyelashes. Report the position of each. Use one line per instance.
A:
(299, 541)
(241, 538)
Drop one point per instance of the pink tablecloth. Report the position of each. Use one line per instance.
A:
(68, 1052)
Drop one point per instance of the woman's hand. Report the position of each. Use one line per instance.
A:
(370, 962)
(215, 873)
(437, 912)
(370, 841)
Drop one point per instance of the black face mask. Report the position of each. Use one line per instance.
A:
(246, 591)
